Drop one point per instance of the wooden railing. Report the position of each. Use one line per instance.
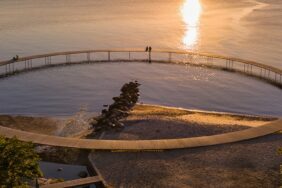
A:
(22, 64)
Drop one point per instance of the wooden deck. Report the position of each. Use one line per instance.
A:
(73, 183)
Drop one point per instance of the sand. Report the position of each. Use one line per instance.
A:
(76, 125)
(43, 125)
(156, 122)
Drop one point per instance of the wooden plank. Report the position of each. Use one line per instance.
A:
(73, 183)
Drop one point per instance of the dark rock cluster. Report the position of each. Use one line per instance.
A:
(111, 118)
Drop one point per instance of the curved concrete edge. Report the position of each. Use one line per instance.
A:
(164, 144)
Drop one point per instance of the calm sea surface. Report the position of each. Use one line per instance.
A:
(247, 29)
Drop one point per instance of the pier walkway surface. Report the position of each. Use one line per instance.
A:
(162, 144)
(73, 183)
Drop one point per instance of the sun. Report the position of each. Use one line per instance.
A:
(191, 13)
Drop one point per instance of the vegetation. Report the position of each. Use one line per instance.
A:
(18, 163)
(111, 117)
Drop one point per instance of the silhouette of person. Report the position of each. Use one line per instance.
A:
(150, 49)
(147, 49)
(15, 58)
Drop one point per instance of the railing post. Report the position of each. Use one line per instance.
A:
(169, 57)
(47, 60)
(191, 58)
(109, 56)
(68, 58)
(209, 59)
(88, 57)
(129, 56)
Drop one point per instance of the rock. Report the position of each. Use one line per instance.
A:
(83, 174)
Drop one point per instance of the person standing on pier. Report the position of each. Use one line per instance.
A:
(15, 58)
(149, 49)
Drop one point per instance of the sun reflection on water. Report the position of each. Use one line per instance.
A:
(191, 12)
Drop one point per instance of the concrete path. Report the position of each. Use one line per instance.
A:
(250, 133)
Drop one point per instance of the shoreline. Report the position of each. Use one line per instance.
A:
(53, 125)
(164, 129)
(213, 112)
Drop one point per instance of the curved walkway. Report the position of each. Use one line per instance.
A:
(272, 75)
(250, 133)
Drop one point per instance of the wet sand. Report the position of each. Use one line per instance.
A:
(43, 125)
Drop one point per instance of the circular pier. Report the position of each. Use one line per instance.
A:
(263, 72)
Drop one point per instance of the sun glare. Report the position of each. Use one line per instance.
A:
(191, 12)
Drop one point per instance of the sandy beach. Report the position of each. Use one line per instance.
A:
(157, 122)
(43, 125)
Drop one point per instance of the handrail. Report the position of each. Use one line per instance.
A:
(139, 50)
(229, 60)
